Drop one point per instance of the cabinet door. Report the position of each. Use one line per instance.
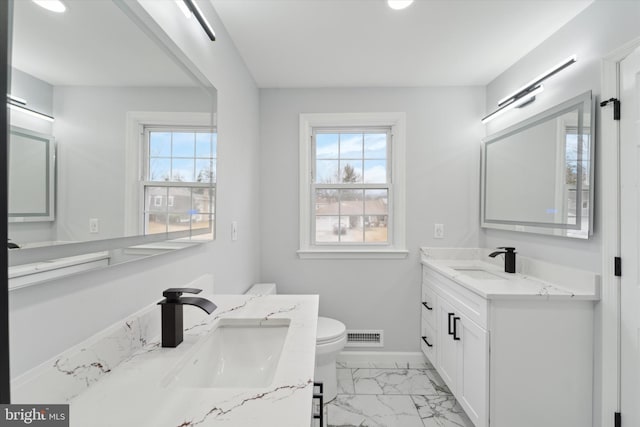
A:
(473, 368)
(446, 347)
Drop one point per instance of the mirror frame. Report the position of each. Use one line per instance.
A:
(584, 104)
(5, 49)
(178, 239)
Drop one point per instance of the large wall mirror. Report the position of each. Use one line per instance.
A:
(537, 176)
(132, 172)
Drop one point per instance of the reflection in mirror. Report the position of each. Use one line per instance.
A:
(537, 176)
(135, 134)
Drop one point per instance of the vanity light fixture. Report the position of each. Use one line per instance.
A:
(525, 99)
(195, 10)
(52, 5)
(399, 4)
(20, 104)
(526, 94)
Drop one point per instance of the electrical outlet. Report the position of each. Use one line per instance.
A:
(438, 231)
(94, 225)
(234, 230)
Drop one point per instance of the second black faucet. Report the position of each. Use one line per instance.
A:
(509, 258)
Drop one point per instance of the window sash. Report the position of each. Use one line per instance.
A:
(388, 186)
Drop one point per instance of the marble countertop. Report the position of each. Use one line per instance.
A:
(136, 391)
(533, 280)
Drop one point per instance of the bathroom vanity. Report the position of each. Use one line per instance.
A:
(515, 349)
(249, 363)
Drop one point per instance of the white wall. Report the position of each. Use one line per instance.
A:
(443, 147)
(49, 318)
(594, 33)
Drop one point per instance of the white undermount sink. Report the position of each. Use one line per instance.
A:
(478, 273)
(237, 353)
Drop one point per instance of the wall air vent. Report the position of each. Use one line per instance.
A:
(365, 338)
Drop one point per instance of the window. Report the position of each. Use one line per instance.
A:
(180, 176)
(352, 185)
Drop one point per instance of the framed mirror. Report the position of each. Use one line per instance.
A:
(537, 176)
(135, 133)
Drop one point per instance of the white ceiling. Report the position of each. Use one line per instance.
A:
(93, 43)
(364, 43)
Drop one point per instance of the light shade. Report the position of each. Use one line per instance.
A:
(52, 5)
(399, 4)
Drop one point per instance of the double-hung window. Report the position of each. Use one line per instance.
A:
(352, 185)
(180, 176)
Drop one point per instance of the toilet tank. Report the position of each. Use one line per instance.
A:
(262, 289)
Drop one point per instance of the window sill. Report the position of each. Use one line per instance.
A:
(353, 253)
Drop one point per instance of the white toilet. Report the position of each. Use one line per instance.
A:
(330, 340)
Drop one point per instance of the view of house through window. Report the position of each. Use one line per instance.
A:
(180, 170)
(351, 185)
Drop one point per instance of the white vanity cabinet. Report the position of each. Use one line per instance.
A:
(461, 344)
(511, 360)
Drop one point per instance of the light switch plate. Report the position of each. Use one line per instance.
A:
(438, 231)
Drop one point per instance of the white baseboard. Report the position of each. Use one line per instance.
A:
(399, 358)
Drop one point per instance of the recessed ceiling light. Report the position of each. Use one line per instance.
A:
(399, 4)
(52, 5)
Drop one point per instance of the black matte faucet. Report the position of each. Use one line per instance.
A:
(172, 329)
(11, 245)
(509, 258)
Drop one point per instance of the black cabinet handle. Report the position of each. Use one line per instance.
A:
(320, 397)
(427, 306)
(426, 342)
(455, 332)
(449, 330)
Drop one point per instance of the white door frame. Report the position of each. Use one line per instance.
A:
(609, 165)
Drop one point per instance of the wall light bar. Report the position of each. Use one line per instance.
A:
(525, 99)
(527, 90)
(20, 106)
(193, 7)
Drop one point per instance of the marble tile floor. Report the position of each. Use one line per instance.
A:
(390, 395)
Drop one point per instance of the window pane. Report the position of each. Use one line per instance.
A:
(202, 221)
(376, 228)
(183, 144)
(160, 144)
(327, 172)
(351, 210)
(375, 171)
(159, 169)
(350, 146)
(204, 144)
(326, 146)
(354, 228)
(375, 146)
(328, 229)
(205, 171)
(202, 200)
(327, 202)
(182, 170)
(376, 215)
(181, 198)
(351, 171)
(155, 199)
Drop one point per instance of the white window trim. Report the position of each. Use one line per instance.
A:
(134, 154)
(396, 249)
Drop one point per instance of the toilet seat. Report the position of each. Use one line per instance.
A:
(329, 330)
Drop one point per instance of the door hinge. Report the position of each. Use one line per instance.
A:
(617, 420)
(617, 266)
(616, 107)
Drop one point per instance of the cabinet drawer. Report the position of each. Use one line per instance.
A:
(428, 305)
(470, 304)
(429, 346)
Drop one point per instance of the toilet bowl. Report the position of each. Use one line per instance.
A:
(330, 340)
